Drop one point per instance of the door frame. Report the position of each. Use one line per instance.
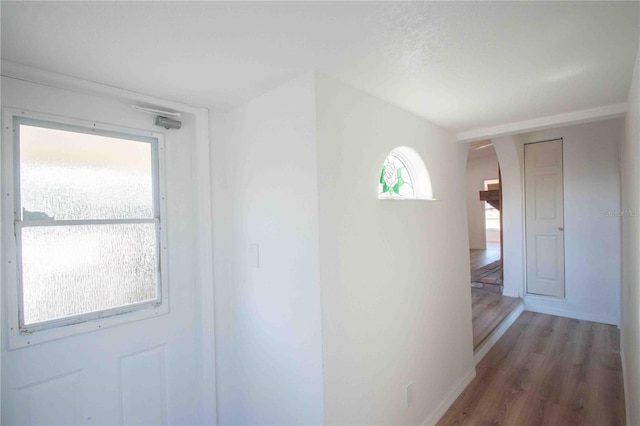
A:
(524, 225)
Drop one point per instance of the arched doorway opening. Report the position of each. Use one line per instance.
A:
(485, 211)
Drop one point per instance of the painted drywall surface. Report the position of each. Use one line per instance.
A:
(271, 335)
(630, 173)
(479, 169)
(100, 353)
(395, 275)
(592, 232)
(591, 226)
(493, 236)
(510, 159)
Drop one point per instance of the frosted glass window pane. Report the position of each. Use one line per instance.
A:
(67, 175)
(72, 270)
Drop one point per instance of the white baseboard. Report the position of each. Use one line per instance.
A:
(625, 380)
(451, 397)
(510, 293)
(541, 306)
(484, 348)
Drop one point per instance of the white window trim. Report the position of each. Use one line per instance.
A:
(51, 330)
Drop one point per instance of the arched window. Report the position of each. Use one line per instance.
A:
(404, 176)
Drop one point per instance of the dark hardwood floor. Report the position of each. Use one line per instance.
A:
(546, 370)
(488, 310)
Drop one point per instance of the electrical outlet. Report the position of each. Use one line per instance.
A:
(408, 395)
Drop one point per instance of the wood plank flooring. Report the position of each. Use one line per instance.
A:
(488, 310)
(546, 370)
(483, 275)
(487, 274)
(480, 258)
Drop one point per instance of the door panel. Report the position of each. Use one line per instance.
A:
(51, 401)
(544, 218)
(142, 388)
(546, 256)
(545, 200)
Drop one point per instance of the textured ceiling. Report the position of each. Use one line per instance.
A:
(460, 65)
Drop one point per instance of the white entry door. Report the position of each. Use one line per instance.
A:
(110, 367)
(544, 214)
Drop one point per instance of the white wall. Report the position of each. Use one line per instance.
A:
(268, 319)
(592, 235)
(480, 167)
(630, 171)
(510, 157)
(395, 275)
(493, 235)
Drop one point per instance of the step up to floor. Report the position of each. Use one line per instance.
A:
(488, 312)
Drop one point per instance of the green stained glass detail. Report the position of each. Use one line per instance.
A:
(395, 180)
(396, 187)
(385, 187)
